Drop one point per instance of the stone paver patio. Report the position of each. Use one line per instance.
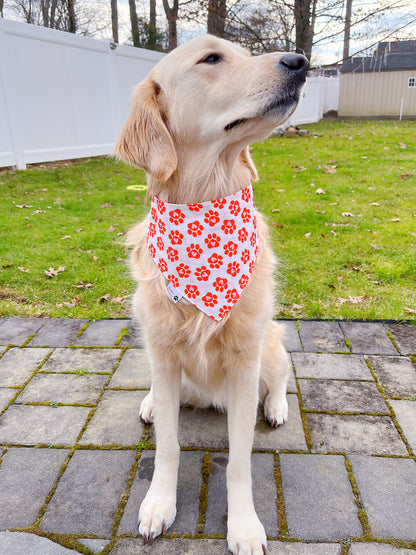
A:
(75, 460)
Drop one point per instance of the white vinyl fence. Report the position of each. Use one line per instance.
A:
(61, 95)
(64, 96)
(320, 95)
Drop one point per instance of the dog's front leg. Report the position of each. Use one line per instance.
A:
(158, 509)
(246, 535)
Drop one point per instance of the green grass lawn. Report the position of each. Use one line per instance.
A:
(341, 204)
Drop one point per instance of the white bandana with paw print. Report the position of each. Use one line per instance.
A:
(206, 250)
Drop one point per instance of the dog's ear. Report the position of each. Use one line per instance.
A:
(248, 161)
(145, 141)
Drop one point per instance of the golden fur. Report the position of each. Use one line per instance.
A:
(190, 125)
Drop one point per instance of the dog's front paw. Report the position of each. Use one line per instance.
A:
(246, 535)
(146, 408)
(156, 514)
(275, 410)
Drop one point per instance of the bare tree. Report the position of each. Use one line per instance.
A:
(1, 8)
(152, 40)
(347, 30)
(172, 17)
(114, 20)
(72, 20)
(217, 13)
(304, 37)
(135, 33)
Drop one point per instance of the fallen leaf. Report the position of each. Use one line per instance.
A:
(297, 306)
(329, 169)
(281, 190)
(95, 257)
(104, 298)
(348, 215)
(73, 302)
(308, 234)
(111, 229)
(78, 230)
(275, 210)
(278, 224)
(409, 310)
(5, 263)
(320, 191)
(352, 300)
(120, 299)
(407, 176)
(82, 285)
(402, 145)
(334, 233)
(51, 272)
(24, 205)
(375, 204)
(23, 270)
(395, 220)
(65, 237)
(375, 247)
(355, 268)
(107, 204)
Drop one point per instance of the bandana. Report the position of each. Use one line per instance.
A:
(207, 250)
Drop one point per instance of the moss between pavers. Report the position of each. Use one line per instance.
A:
(362, 515)
(20, 388)
(203, 494)
(125, 496)
(124, 332)
(392, 414)
(280, 500)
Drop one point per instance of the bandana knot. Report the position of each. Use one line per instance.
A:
(206, 250)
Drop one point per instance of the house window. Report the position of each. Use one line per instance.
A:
(412, 81)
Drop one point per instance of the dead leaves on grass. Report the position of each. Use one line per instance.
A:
(51, 272)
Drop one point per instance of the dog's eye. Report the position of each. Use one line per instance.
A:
(211, 59)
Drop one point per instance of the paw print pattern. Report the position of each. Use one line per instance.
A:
(208, 250)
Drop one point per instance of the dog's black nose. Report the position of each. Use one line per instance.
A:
(295, 63)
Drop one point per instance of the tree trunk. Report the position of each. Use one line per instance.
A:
(72, 22)
(52, 16)
(172, 17)
(347, 30)
(135, 34)
(217, 12)
(151, 43)
(1, 8)
(304, 37)
(114, 20)
(45, 12)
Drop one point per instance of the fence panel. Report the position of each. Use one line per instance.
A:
(319, 96)
(63, 96)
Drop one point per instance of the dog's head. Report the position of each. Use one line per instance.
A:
(212, 94)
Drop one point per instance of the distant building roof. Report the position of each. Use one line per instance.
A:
(388, 56)
(397, 46)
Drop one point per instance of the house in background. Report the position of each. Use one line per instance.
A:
(382, 85)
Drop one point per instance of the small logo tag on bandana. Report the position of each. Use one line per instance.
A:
(206, 250)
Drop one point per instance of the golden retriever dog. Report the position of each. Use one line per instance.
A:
(190, 125)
